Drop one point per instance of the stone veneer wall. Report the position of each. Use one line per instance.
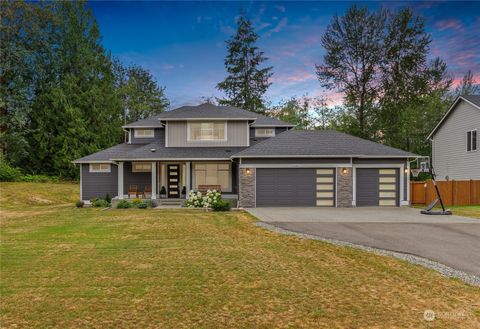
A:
(246, 196)
(344, 188)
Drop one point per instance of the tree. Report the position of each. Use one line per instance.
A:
(139, 93)
(351, 64)
(247, 81)
(324, 115)
(295, 111)
(468, 86)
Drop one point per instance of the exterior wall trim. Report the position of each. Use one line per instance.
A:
(297, 165)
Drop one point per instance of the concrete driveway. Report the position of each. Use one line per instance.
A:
(450, 240)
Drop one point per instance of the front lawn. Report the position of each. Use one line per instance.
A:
(66, 267)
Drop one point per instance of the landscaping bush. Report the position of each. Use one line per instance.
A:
(211, 199)
(9, 173)
(221, 205)
(136, 202)
(38, 179)
(142, 205)
(123, 204)
(79, 204)
(100, 203)
(151, 203)
(108, 198)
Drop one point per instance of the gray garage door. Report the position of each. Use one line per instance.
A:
(377, 187)
(286, 187)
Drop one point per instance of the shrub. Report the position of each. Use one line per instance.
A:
(93, 200)
(108, 198)
(9, 173)
(123, 204)
(209, 200)
(221, 205)
(151, 203)
(136, 202)
(38, 179)
(79, 204)
(142, 205)
(100, 203)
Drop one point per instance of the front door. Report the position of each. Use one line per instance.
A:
(173, 177)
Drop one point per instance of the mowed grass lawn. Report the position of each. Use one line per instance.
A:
(66, 267)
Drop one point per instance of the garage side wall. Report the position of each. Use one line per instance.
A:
(247, 188)
(344, 187)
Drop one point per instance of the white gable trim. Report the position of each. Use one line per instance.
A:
(448, 112)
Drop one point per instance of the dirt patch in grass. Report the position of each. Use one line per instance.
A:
(81, 268)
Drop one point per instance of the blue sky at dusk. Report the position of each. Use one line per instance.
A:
(182, 43)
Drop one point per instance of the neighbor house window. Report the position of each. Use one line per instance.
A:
(100, 167)
(264, 132)
(212, 174)
(141, 167)
(144, 133)
(471, 140)
(207, 131)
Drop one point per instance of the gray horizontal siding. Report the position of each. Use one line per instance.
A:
(159, 137)
(141, 179)
(449, 148)
(97, 185)
(236, 135)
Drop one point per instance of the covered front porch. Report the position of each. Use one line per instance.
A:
(174, 179)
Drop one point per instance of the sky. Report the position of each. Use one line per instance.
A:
(183, 43)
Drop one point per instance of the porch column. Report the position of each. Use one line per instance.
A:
(120, 180)
(154, 179)
(187, 177)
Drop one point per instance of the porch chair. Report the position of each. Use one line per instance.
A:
(133, 190)
(147, 191)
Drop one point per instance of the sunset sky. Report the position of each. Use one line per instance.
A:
(182, 43)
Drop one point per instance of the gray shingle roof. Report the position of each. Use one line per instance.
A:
(149, 122)
(110, 153)
(162, 152)
(475, 99)
(209, 111)
(310, 143)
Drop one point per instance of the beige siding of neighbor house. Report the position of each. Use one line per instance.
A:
(449, 146)
(237, 135)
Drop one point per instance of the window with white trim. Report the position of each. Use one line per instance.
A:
(212, 174)
(144, 133)
(141, 167)
(100, 167)
(471, 140)
(264, 132)
(207, 131)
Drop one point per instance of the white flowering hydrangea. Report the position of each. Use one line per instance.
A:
(197, 200)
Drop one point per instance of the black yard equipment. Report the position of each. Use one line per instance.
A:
(429, 210)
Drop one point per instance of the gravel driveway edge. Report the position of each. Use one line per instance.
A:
(440, 268)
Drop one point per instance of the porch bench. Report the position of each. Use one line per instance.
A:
(205, 188)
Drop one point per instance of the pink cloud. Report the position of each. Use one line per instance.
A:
(458, 81)
(446, 24)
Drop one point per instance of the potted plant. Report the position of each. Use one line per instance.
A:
(184, 191)
(163, 192)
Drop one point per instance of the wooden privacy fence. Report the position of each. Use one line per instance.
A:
(454, 193)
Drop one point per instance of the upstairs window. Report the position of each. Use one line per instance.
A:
(144, 133)
(207, 131)
(100, 167)
(142, 167)
(471, 140)
(264, 132)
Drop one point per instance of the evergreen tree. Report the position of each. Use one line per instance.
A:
(468, 86)
(295, 111)
(139, 93)
(247, 81)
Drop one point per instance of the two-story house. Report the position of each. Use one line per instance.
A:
(253, 159)
(455, 149)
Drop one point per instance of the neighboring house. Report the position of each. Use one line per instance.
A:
(255, 160)
(455, 148)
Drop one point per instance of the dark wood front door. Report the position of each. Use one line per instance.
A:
(173, 176)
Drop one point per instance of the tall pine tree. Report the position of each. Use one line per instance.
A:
(247, 81)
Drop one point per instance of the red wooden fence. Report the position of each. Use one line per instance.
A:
(454, 193)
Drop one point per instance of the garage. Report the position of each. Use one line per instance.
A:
(377, 187)
(295, 187)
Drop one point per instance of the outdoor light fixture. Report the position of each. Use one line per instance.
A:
(406, 170)
(247, 171)
(344, 171)
(153, 150)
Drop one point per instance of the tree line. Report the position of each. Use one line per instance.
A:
(64, 96)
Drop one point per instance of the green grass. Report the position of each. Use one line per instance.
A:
(66, 267)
